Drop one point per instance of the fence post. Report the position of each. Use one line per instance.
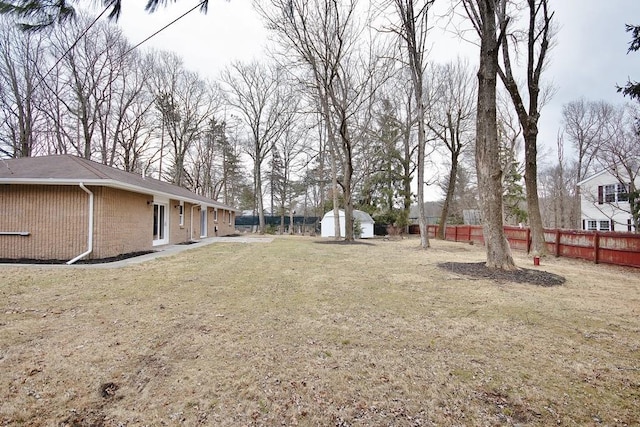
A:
(528, 240)
(596, 245)
(557, 242)
(455, 234)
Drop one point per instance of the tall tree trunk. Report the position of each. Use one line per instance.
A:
(422, 215)
(487, 145)
(451, 188)
(529, 117)
(348, 202)
(258, 190)
(538, 245)
(334, 186)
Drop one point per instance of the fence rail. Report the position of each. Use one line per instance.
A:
(598, 247)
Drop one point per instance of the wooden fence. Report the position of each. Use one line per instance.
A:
(599, 247)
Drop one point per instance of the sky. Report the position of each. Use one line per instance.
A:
(588, 60)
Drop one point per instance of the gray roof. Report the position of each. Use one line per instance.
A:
(71, 170)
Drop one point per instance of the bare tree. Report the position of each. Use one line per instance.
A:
(584, 125)
(288, 151)
(451, 120)
(22, 56)
(262, 98)
(413, 31)
(538, 40)
(558, 183)
(326, 39)
(206, 160)
(135, 123)
(186, 103)
(482, 14)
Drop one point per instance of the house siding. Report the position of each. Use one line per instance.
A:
(55, 217)
(594, 208)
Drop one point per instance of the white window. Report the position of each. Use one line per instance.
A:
(181, 213)
(592, 225)
(616, 193)
(610, 193)
(622, 192)
(604, 226)
(215, 214)
(230, 218)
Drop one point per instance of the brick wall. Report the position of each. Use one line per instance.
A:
(55, 217)
(123, 222)
(179, 233)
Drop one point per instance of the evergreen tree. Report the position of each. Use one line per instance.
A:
(632, 88)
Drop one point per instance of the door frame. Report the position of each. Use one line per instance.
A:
(161, 209)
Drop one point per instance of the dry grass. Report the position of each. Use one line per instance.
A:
(300, 333)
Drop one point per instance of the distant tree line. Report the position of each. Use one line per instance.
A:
(339, 117)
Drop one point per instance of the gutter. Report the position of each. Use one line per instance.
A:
(112, 183)
(90, 232)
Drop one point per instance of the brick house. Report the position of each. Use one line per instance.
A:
(69, 208)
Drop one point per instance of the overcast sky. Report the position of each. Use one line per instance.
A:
(589, 59)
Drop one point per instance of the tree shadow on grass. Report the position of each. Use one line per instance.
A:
(343, 242)
(522, 275)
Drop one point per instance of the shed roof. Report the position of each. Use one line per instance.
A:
(357, 214)
(71, 170)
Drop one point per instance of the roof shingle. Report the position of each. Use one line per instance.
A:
(69, 170)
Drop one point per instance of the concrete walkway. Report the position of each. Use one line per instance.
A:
(162, 251)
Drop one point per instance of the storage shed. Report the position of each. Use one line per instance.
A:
(328, 228)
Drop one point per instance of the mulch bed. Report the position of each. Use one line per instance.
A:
(82, 261)
(521, 275)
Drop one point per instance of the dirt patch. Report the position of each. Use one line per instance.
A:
(108, 390)
(521, 275)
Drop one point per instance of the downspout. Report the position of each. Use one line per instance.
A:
(90, 233)
(191, 225)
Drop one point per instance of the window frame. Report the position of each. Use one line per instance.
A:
(605, 228)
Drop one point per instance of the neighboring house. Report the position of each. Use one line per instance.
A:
(69, 208)
(604, 203)
(431, 209)
(327, 225)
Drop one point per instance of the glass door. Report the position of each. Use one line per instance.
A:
(160, 224)
(203, 221)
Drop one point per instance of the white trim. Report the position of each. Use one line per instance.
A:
(164, 225)
(589, 178)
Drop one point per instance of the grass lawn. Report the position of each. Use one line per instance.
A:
(297, 332)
